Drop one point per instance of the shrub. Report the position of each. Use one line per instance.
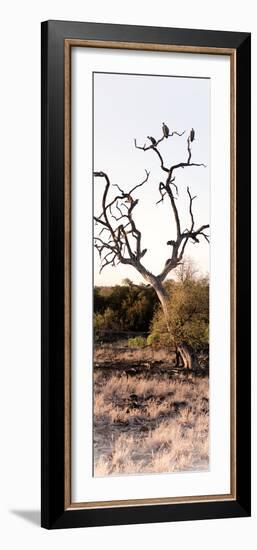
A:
(188, 316)
(137, 342)
(159, 339)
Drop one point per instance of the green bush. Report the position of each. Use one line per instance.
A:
(188, 316)
(159, 339)
(137, 342)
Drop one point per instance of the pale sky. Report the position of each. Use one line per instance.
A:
(134, 106)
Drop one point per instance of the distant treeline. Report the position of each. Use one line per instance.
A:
(130, 308)
(122, 308)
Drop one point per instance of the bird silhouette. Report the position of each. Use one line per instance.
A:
(192, 135)
(153, 140)
(165, 130)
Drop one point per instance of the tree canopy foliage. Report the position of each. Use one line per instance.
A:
(188, 313)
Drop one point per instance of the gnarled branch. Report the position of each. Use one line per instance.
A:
(124, 242)
(122, 239)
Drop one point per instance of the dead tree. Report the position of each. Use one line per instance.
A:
(119, 240)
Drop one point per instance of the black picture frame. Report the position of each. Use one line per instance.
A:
(54, 513)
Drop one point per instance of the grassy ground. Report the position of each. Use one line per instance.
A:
(149, 420)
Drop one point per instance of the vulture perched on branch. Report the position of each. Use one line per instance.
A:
(153, 140)
(192, 135)
(165, 130)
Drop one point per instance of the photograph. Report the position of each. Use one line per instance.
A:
(151, 266)
(146, 270)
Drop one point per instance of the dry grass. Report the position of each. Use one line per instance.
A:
(150, 423)
(119, 352)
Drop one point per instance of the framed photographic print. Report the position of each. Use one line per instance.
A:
(145, 274)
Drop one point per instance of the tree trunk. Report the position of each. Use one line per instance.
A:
(188, 356)
(184, 351)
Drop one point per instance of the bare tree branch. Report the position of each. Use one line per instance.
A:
(124, 243)
(175, 166)
(118, 246)
(154, 148)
